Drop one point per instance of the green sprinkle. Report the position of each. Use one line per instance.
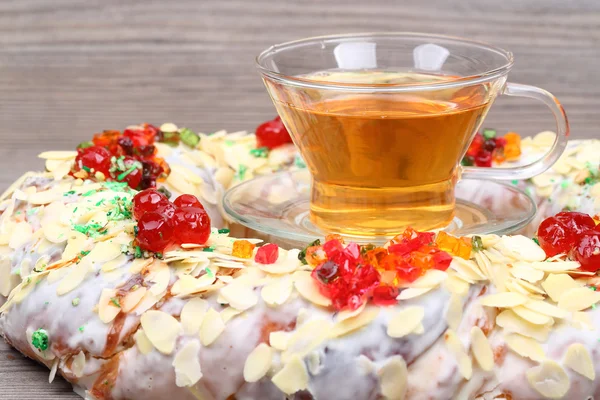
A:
(299, 162)
(261, 152)
(133, 167)
(100, 202)
(209, 273)
(138, 252)
(81, 328)
(229, 143)
(115, 186)
(302, 254)
(46, 302)
(33, 210)
(85, 145)
(86, 169)
(89, 193)
(136, 230)
(477, 243)
(90, 229)
(489, 133)
(241, 172)
(223, 231)
(564, 184)
(208, 249)
(115, 301)
(165, 191)
(594, 288)
(188, 137)
(39, 339)
(536, 241)
(159, 255)
(75, 210)
(70, 192)
(466, 162)
(75, 301)
(514, 182)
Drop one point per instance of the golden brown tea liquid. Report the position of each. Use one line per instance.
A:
(381, 162)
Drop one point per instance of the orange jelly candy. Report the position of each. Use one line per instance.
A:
(460, 247)
(315, 255)
(446, 242)
(464, 248)
(242, 249)
(375, 256)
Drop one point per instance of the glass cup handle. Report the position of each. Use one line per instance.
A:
(541, 165)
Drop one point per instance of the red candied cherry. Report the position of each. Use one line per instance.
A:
(267, 254)
(132, 173)
(327, 272)
(385, 295)
(475, 145)
(187, 200)
(500, 142)
(146, 201)
(192, 225)
(154, 232)
(137, 137)
(587, 251)
(272, 134)
(167, 209)
(483, 158)
(555, 237)
(489, 145)
(576, 221)
(94, 158)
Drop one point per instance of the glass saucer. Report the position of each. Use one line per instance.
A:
(278, 207)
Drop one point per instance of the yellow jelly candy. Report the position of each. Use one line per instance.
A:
(242, 249)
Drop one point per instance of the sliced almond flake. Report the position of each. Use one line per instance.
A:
(277, 292)
(393, 378)
(76, 243)
(522, 248)
(489, 240)
(504, 300)
(306, 338)
(45, 197)
(8, 281)
(419, 330)
(258, 363)
(239, 295)
(57, 274)
(544, 139)
(189, 175)
(578, 299)
(549, 379)
(432, 278)
(58, 155)
(77, 274)
(525, 347)
(405, 321)
(56, 232)
(352, 324)
(143, 343)
(61, 170)
(495, 256)
(187, 285)
(132, 299)
(21, 234)
(181, 184)
(159, 278)
(514, 287)
(286, 263)
(523, 271)
(454, 284)
(579, 360)
(78, 364)
(161, 329)
(224, 176)
(104, 252)
(511, 322)
(482, 351)
(211, 328)
(467, 268)
(115, 263)
(229, 313)
(410, 293)
(292, 378)
(581, 320)
(546, 308)
(533, 316)
(53, 370)
(556, 266)
(345, 314)
(531, 288)
(225, 278)
(279, 340)
(557, 284)
(484, 264)
(307, 287)
(192, 315)
(463, 360)
(499, 276)
(107, 310)
(187, 365)
(454, 311)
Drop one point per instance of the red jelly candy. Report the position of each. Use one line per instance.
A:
(483, 158)
(147, 201)
(93, 159)
(500, 142)
(267, 254)
(576, 221)
(385, 295)
(555, 237)
(442, 260)
(476, 145)
(154, 232)
(187, 200)
(192, 225)
(587, 251)
(408, 273)
(272, 134)
(132, 173)
(332, 247)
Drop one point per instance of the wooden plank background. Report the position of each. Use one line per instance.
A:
(69, 68)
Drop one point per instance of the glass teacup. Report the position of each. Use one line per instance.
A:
(383, 120)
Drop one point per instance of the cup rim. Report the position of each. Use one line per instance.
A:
(358, 87)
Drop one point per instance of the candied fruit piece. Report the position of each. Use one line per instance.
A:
(555, 237)
(446, 242)
(483, 158)
(375, 256)
(463, 248)
(267, 254)
(332, 247)
(408, 273)
(575, 221)
(327, 272)
(315, 255)
(272, 134)
(587, 251)
(513, 138)
(242, 249)
(512, 152)
(442, 260)
(302, 254)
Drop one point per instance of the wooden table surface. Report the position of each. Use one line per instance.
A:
(70, 68)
